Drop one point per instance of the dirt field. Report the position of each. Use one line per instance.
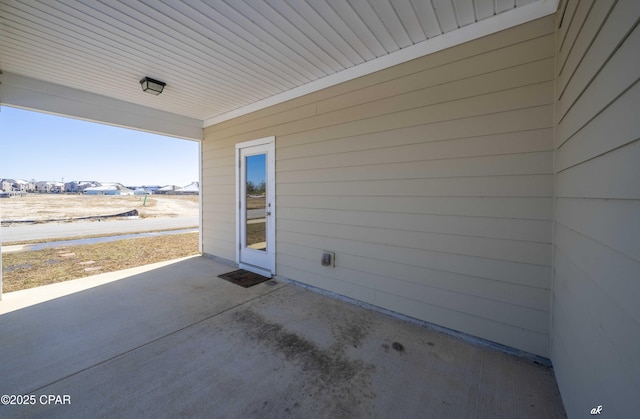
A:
(41, 207)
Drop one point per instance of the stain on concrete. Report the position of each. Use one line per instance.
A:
(398, 346)
(343, 383)
(351, 333)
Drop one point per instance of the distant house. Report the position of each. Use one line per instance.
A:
(165, 190)
(191, 189)
(109, 189)
(57, 187)
(16, 185)
(78, 186)
(49, 187)
(44, 186)
(23, 185)
(151, 188)
(6, 185)
(141, 190)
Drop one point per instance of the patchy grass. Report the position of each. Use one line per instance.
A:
(42, 267)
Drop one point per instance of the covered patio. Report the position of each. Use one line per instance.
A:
(466, 163)
(172, 339)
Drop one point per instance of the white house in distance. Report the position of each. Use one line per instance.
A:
(44, 186)
(79, 186)
(108, 189)
(16, 185)
(473, 164)
(141, 191)
(191, 189)
(166, 189)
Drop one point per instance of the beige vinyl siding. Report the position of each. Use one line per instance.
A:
(596, 314)
(218, 198)
(432, 181)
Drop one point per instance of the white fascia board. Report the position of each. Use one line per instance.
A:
(497, 23)
(28, 93)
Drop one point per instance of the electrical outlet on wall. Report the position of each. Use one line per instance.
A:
(328, 259)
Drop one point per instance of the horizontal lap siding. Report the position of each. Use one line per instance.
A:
(596, 316)
(431, 181)
(218, 198)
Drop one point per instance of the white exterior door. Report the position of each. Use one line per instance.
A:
(256, 206)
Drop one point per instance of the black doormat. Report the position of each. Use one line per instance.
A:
(243, 278)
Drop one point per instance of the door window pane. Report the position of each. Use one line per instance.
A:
(256, 191)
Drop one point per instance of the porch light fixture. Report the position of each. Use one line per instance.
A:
(152, 86)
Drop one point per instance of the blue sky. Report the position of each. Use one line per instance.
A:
(46, 147)
(256, 169)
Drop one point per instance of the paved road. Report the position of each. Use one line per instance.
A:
(85, 228)
(255, 213)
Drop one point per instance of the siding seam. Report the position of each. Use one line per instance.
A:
(597, 32)
(414, 248)
(597, 285)
(518, 153)
(431, 86)
(445, 307)
(404, 229)
(595, 240)
(423, 141)
(596, 74)
(484, 278)
(600, 155)
(272, 128)
(605, 107)
(422, 213)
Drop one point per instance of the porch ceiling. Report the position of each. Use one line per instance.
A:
(224, 58)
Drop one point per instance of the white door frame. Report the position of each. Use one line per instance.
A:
(267, 264)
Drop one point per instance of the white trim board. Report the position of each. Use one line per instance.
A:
(28, 93)
(459, 36)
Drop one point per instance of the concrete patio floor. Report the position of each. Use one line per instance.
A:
(174, 340)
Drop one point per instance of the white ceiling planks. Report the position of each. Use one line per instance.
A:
(484, 9)
(504, 5)
(427, 16)
(220, 56)
(465, 12)
(446, 15)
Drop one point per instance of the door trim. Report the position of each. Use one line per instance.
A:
(270, 269)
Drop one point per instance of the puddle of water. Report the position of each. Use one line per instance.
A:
(7, 269)
(79, 242)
